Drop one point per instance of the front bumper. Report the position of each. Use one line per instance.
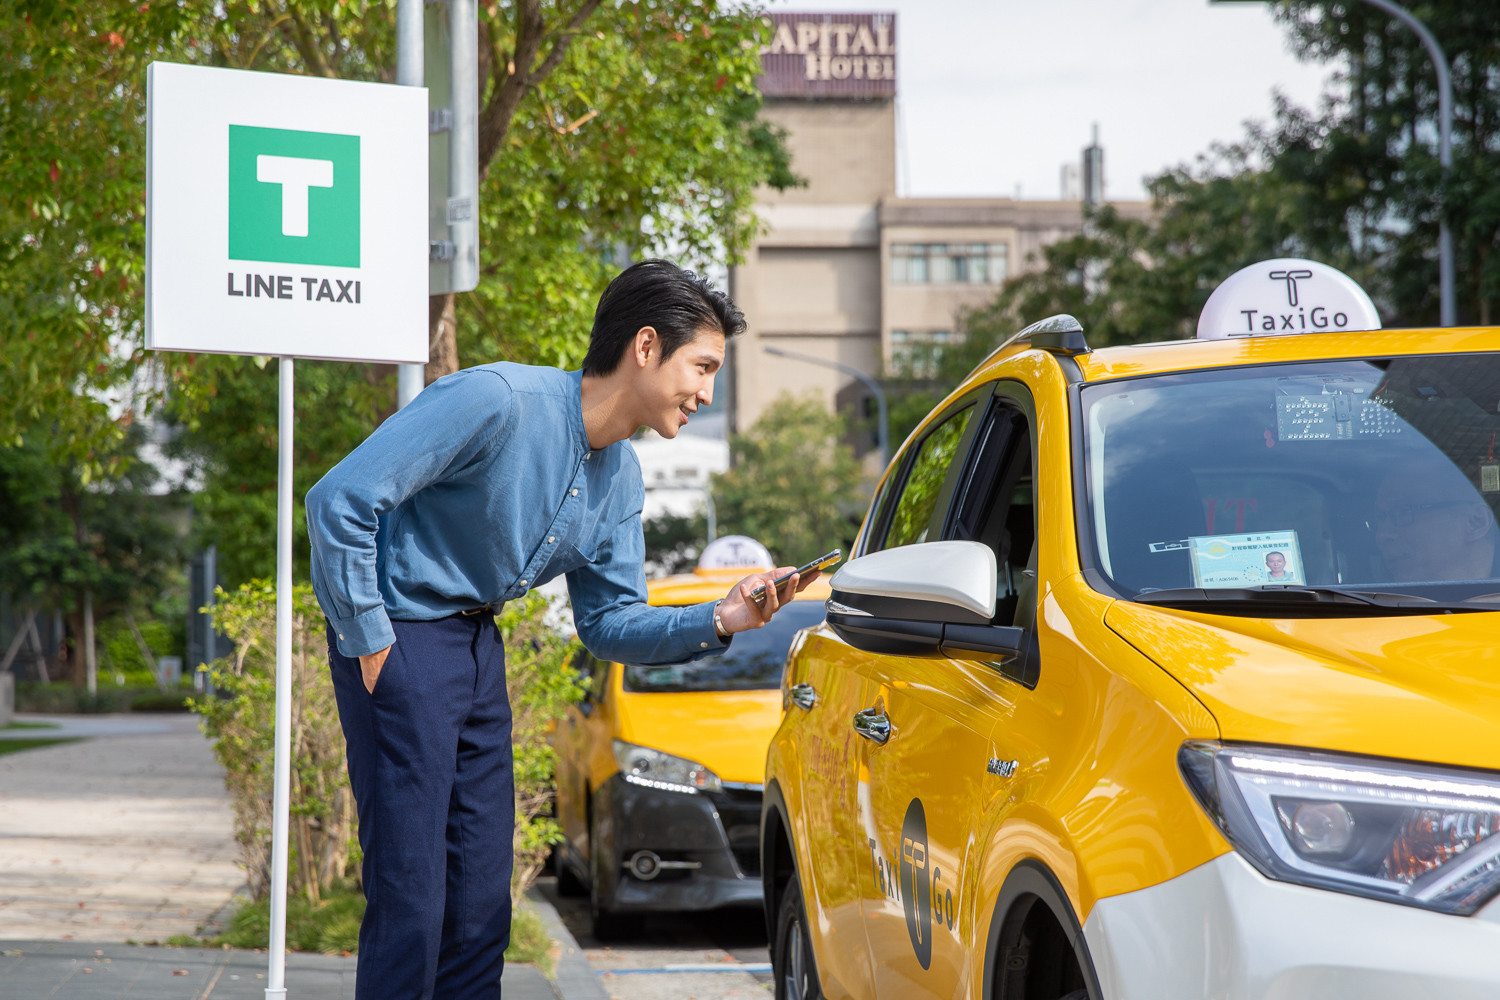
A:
(1225, 931)
(715, 832)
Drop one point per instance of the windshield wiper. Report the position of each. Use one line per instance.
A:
(1283, 597)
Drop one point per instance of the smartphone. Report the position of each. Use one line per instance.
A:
(822, 562)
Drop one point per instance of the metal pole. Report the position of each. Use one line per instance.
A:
(883, 431)
(281, 798)
(409, 377)
(1447, 315)
(713, 515)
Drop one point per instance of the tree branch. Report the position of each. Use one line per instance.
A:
(522, 71)
(301, 37)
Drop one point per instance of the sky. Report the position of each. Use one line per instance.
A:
(996, 95)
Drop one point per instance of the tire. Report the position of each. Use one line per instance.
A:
(792, 962)
(569, 885)
(608, 925)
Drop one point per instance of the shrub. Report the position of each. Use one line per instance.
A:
(241, 722)
(542, 684)
(323, 848)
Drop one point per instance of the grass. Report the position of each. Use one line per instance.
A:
(332, 928)
(14, 746)
(28, 725)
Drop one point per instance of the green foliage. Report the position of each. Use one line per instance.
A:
(793, 483)
(241, 723)
(1355, 184)
(61, 698)
(674, 542)
(542, 684)
(584, 164)
(121, 660)
(16, 746)
(324, 850)
(331, 926)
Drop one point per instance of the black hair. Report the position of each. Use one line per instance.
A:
(659, 294)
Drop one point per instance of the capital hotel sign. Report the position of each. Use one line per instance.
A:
(850, 56)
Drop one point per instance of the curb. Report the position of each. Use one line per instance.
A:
(575, 979)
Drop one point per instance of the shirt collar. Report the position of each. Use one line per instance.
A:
(575, 410)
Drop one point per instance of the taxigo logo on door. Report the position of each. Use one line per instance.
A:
(293, 199)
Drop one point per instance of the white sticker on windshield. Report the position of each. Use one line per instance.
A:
(1251, 560)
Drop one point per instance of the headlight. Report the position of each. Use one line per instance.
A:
(654, 769)
(1405, 833)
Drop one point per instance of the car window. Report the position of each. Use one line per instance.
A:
(754, 661)
(912, 512)
(1376, 474)
(998, 508)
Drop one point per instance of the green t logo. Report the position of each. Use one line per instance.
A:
(293, 196)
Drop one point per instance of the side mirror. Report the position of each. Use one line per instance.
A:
(929, 599)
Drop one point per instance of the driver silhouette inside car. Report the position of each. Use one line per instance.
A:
(1431, 524)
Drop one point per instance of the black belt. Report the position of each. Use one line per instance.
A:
(483, 609)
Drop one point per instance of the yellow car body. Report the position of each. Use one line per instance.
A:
(1018, 813)
(638, 843)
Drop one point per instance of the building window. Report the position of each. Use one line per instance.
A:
(915, 352)
(949, 263)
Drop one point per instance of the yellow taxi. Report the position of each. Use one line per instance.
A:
(659, 769)
(1162, 672)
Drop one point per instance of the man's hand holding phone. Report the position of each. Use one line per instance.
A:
(756, 599)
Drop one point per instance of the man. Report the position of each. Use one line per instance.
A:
(492, 481)
(1276, 570)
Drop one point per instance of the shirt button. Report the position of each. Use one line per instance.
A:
(573, 492)
(551, 539)
(588, 456)
(341, 635)
(523, 583)
(702, 645)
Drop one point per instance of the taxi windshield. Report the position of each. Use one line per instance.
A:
(1374, 477)
(754, 661)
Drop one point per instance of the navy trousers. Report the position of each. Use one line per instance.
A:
(430, 765)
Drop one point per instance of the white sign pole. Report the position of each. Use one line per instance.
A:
(410, 378)
(281, 798)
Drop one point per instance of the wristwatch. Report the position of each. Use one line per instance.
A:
(719, 628)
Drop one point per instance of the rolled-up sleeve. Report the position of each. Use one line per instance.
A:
(450, 423)
(612, 616)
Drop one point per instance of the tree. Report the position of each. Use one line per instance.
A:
(793, 483)
(91, 547)
(1354, 183)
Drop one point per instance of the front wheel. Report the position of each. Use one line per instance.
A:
(792, 957)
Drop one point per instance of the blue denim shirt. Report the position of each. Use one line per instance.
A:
(480, 489)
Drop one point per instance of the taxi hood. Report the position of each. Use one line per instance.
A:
(1409, 687)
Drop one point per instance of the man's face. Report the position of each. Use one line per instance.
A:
(1424, 533)
(671, 390)
(1276, 563)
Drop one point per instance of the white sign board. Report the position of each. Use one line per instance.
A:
(285, 215)
(1286, 295)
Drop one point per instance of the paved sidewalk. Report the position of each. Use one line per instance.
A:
(37, 970)
(126, 835)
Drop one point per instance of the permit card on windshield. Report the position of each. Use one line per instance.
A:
(1250, 560)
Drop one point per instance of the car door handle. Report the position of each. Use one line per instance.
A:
(804, 696)
(873, 724)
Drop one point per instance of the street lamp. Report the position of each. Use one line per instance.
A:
(883, 430)
(1447, 315)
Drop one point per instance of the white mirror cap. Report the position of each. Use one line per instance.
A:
(736, 552)
(1286, 295)
(960, 574)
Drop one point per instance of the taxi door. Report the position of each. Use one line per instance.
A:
(825, 689)
(929, 760)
